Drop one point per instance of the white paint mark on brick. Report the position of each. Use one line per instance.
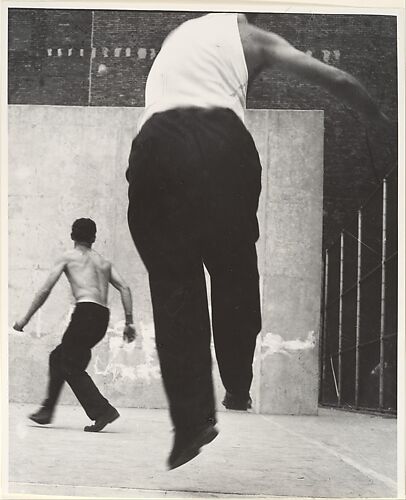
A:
(337, 55)
(142, 53)
(326, 55)
(272, 343)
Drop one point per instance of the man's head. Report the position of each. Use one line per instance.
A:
(83, 231)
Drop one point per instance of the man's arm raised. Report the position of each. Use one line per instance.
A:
(117, 281)
(42, 294)
(274, 51)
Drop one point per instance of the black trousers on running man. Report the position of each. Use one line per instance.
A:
(194, 182)
(68, 361)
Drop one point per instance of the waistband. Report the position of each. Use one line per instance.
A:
(196, 112)
(87, 304)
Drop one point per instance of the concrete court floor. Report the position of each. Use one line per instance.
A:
(334, 454)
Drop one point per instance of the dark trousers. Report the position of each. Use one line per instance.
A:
(194, 183)
(69, 360)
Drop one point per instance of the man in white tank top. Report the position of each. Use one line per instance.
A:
(208, 61)
(89, 275)
(194, 183)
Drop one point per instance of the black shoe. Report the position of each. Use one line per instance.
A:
(109, 416)
(43, 416)
(187, 446)
(236, 403)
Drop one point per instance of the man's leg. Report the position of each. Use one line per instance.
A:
(81, 384)
(68, 362)
(231, 228)
(165, 200)
(182, 331)
(56, 379)
(236, 318)
(55, 383)
(74, 363)
(88, 327)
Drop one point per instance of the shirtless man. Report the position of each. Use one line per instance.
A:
(194, 182)
(89, 275)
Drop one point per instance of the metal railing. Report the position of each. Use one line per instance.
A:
(359, 309)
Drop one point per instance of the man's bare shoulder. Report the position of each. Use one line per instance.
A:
(70, 255)
(101, 262)
(256, 36)
(60, 262)
(260, 46)
(102, 259)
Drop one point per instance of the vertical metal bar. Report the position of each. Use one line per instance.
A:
(358, 320)
(383, 298)
(340, 319)
(325, 324)
(89, 97)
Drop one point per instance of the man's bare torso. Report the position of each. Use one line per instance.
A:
(88, 274)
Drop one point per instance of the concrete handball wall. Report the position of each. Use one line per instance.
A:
(69, 162)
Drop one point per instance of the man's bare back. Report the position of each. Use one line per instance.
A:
(88, 274)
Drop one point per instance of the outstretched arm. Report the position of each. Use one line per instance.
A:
(117, 281)
(42, 294)
(272, 50)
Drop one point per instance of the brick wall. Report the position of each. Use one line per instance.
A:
(54, 56)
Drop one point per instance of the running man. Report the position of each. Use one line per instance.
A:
(89, 275)
(194, 182)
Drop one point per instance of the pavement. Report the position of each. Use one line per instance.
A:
(334, 454)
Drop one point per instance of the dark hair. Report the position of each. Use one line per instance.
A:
(83, 230)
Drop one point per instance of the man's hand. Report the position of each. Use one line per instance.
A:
(129, 333)
(19, 325)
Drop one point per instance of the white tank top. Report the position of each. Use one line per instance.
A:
(201, 63)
